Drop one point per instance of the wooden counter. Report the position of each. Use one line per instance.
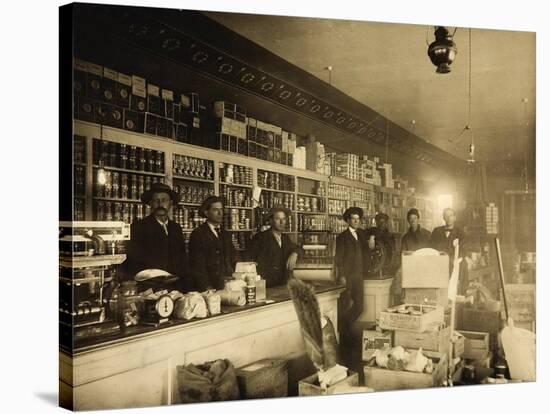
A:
(138, 368)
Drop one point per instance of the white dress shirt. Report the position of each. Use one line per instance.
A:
(164, 225)
(353, 232)
(213, 228)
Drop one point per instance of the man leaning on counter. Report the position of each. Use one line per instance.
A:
(157, 241)
(273, 251)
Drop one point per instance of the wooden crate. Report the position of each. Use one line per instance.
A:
(425, 271)
(479, 320)
(427, 296)
(310, 385)
(382, 379)
(433, 339)
(420, 323)
(476, 345)
(267, 378)
(373, 340)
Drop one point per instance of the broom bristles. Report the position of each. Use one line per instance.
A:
(307, 309)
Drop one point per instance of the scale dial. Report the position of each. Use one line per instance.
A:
(164, 306)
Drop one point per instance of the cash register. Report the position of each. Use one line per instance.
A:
(88, 254)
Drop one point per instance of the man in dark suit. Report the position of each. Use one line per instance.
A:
(156, 242)
(443, 239)
(381, 235)
(273, 251)
(350, 247)
(417, 237)
(212, 255)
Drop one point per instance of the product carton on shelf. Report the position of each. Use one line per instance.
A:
(476, 345)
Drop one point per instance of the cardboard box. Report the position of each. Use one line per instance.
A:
(84, 109)
(182, 133)
(310, 385)
(134, 121)
(425, 271)
(381, 379)
(123, 90)
(373, 340)
(476, 345)
(94, 79)
(435, 339)
(415, 323)
(267, 378)
(150, 124)
(427, 296)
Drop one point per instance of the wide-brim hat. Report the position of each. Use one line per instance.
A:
(413, 211)
(381, 216)
(208, 202)
(159, 188)
(352, 210)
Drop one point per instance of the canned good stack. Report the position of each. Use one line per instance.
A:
(188, 218)
(341, 192)
(236, 174)
(193, 194)
(337, 206)
(311, 222)
(192, 167)
(239, 241)
(128, 157)
(275, 181)
(269, 200)
(117, 211)
(237, 219)
(236, 196)
(124, 186)
(310, 204)
(337, 224)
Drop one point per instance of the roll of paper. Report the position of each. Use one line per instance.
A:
(233, 297)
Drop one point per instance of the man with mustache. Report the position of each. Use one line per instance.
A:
(156, 242)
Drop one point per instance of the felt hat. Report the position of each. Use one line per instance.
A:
(352, 210)
(413, 211)
(159, 188)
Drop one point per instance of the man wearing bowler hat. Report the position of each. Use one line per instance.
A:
(273, 250)
(156, 242)
(212, 255)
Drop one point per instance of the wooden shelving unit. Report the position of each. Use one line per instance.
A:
(305, 183)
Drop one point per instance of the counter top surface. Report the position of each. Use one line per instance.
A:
(275, 295)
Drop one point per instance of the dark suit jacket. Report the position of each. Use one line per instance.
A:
(414, 240)
(439, 242)
(150, 248)
(211, 259)
(349, 261)
(271, 259)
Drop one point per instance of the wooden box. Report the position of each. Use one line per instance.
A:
(310, 385)
(382, 379)
(427, 296)
(373, 340)
(267, 378)
(433, 339)
(415, 323)
(521, 302)
(476, 345)
(480, 320)
(425, 271)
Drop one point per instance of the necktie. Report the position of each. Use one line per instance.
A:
(165, 227)
(218, 231)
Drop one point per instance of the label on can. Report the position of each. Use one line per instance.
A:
(250, 294)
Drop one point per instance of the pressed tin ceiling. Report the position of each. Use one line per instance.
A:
(385, 66)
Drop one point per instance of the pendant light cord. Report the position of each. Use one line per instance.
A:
(525, 170)
(470, 83)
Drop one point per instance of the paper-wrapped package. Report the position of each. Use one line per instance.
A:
(235, 297)
(191, 305)
(235, 285)
(213, 301)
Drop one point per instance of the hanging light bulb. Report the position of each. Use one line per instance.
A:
(471, 160)
(101, 175)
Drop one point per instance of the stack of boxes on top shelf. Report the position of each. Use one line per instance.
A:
(419, 322)
(129, 102)
(230, 127)
(270, 143)
(491, 218)
(316, 157)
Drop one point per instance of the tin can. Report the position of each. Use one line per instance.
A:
(250, 294)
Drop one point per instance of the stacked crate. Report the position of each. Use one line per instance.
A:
(231, 127)
(346, 165)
